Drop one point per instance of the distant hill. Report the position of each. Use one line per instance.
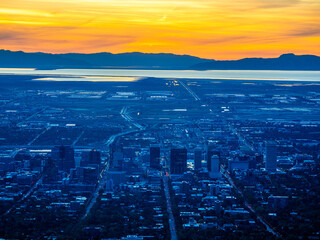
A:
(284, 62)
(138, 60)
(37, 60)
(133, 60)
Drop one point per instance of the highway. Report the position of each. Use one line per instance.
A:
(172, 224)
(33, 140)
(33, 115)
(193, 94)
(15, 152)
(251, 209)
(101, 182)
(228, 177)
(242, 139)
(25, 196)
(127, 117)
(78, 138)
(103, 174)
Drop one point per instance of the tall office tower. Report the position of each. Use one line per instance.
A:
(94, 157)
(197, 158)
(117, 160)
(64, 157)
(271, 156)
(90, 175)
(214, 164)
(84, 162)
(129, 152)
(211, 150)
(50, 171)
(155, 156)
(178, 160)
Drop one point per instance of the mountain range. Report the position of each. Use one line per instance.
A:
(284, 62)
(136, 60)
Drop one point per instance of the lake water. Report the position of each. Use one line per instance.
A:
(130, 75)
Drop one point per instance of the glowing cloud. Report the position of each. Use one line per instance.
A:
(213, 29)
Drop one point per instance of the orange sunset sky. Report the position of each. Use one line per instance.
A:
(218, 29)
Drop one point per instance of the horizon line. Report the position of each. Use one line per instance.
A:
(155, 53)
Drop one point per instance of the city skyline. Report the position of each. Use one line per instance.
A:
(158, 119)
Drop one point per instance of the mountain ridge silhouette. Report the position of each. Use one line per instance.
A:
(137, 60)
